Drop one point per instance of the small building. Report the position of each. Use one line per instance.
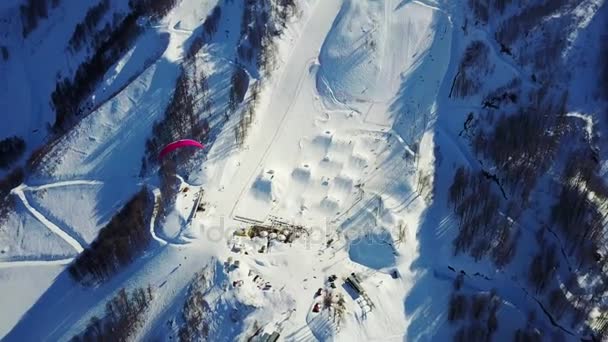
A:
(353, 281)
(270, 338)
(273, 337)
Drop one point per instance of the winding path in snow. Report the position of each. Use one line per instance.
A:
(156, 194)
(61, 184)
(46, 222)
(20, 192)
(26, 263)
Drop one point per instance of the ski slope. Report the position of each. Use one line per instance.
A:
(354, 139)
(311, 159)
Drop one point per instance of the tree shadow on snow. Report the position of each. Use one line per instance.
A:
(426, 303)
(65, 303)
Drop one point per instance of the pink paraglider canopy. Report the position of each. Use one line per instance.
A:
(178, 144)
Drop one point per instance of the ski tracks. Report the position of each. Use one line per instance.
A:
(55, 229)
(156, 194)
(30, 263)
(62, 233)
(19, 191)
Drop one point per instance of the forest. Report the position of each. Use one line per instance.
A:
(70, 93)
(196, 313)
(11, 149)
(88, 27)
(483, 229)
(9, 182)
(474, 315)
(546, 165)
(117, 245)
(33, 11)
(124, 315)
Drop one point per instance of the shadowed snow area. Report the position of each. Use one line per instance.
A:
(373, 250)
(343, 167)
(321, 151)
(371, 47)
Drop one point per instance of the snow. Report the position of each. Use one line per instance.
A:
(94, 211)
(50, 225)
(588, 119)
(354, 139)
(304, 161)
(28, 284)
(23, 237)
(304, 166)
(30, 74)
(149, 47)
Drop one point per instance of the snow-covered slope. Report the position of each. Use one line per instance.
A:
(345, 168)
(35, 63)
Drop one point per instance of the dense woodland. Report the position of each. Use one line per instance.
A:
(196, 313)
(475, 316)
(11, 149)
(475, 64)
(4, 53)
(154, 9)
(88, 27)
(179, 122)
(7, 201)
(124, 316)
(118, 244)
(33, 11)
(70, 93)
(539, 156)
(522, 161)
(484, 227)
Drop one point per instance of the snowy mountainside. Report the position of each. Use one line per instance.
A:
(373, 170)
(34, 62)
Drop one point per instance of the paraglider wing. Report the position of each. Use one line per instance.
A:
(178, 144)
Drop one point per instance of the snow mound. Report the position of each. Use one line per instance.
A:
(370, 47)
(264, 187)
(350, 55)
(301, 174)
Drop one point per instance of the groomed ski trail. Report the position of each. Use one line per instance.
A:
(303, 55)
(156, 194)
(61, 184)
(50, 225)
(30, 263)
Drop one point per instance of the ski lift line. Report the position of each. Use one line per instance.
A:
(276, 132)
